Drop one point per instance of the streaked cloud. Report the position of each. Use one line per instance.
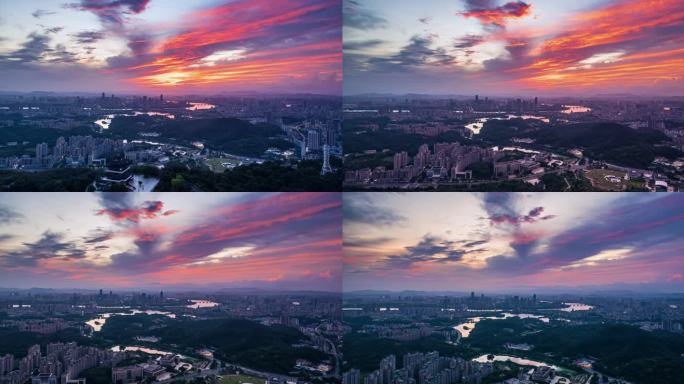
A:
(523, 47)
(357, 16)
(511, 241)
(197, 47)
(288, 240)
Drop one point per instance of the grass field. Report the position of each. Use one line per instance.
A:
(241, 379)
(598, 180)
(216, 165)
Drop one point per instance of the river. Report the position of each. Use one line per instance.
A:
(134, 348)
(144, 184)
(106, 120)
(465, 328)
(575, 109)
(197, 304)
(477, 126)
(572, 307)
(99, 322)
(515, 360)
(200, 106)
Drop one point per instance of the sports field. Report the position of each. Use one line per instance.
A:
(241, 379)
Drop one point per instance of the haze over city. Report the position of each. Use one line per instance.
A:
(530, 47)
(525, 242)
(138, 46)
(181, 241)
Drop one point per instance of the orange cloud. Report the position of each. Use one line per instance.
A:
(499, 15)
(629, 44)
(246, 43)
(148, 210)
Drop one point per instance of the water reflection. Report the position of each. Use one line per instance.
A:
(106, 120)
(196, 304)
(200, 106)
(513, 359)
(572, 307)
(575, 109)
(465, 328)
(150, 351)
(520, 149)
(144, 184)
(99, 322)
(477, 126)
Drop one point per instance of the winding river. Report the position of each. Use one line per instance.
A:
(99, 322)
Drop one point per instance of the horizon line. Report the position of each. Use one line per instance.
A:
(237, 93)
(606, 95)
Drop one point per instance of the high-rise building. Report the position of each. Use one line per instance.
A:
(397, 161)
(313, 140)
(400, 160)
(41, 151)
(352, 376)
(44, 378)
(372, 378)
(326, 161)
(6, 364)
(61, 148)
(387, 367)
(129, 374)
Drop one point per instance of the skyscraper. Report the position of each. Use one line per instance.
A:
(41, 151)
(353, 376)
(313, 140)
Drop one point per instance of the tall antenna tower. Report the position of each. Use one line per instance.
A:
(326, 160)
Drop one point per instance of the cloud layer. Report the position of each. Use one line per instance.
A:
(291, 241)
(243, 45)
(520, 47)
(513, 244)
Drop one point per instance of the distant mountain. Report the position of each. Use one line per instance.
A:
(254, 94)
(425, 96)
(371, 292)
(413, 96)
(615, 290)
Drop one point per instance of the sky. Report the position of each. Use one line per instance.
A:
(514, 242)
(290, 241)
(518, 47)
(169, 46)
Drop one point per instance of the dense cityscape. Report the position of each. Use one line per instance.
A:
(603, 144)
(58, 337)
(127, 143)
(424, 337)
(513, 288)
(341, 192)
(201, 288)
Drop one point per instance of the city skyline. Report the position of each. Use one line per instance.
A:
(514, 48)
(199, 47)
(503, 243)
(121, 241)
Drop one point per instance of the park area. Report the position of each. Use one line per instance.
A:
(241, 379)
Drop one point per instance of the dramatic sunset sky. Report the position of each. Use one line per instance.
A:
(118, 241)
(503, 242)
(518, 47)
(199, 46)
